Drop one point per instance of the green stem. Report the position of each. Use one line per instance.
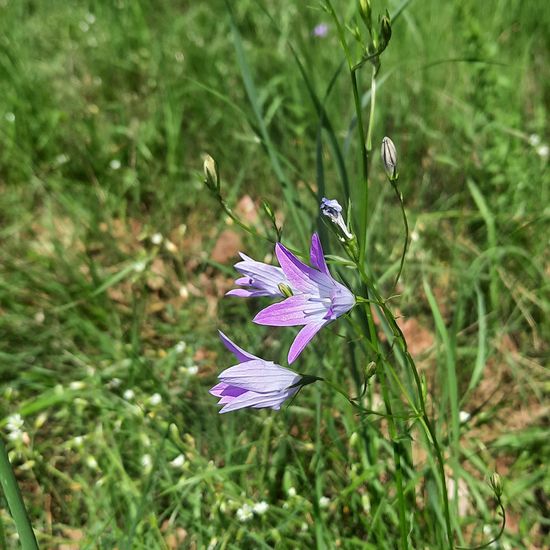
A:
(406, 224)
(426, 422)
(364, 167)
(15, 501)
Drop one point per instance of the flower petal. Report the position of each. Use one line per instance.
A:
(288, 313)
(303, 338)
(316, 255)
(238, 352)
(259, 376)
(241, 293)
(259, 400)
(300, 275)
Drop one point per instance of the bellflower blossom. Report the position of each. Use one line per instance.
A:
(254, 382)
(321, 300)
(262, 279)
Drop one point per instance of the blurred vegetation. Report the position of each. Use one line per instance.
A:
(114, 259)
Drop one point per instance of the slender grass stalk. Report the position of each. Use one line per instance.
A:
(406, 225)
(15, 501)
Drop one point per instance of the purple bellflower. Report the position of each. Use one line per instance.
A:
(254, 382)
(261, 279)
(320, 30)
(321, 300)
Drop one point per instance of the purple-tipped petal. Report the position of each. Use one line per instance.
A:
(259, 400)
(240, 293)
(259, 376)
(304, 278)
(288, 313)
(316, 255)
(303, 338)
(238, 352)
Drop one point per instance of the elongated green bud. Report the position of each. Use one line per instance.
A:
(389, 158)
(371, 370)
(496, 484)
(365, 11)
(211, 174)
(385, 30)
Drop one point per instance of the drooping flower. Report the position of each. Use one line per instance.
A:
(321, 300)
(254, 382)
(261, 279)
(332, 210)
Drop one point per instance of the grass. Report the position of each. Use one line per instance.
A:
(108, 338)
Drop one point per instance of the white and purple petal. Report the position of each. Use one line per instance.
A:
(303, 338)
(288, 313)
(259, 376)
(238, 352)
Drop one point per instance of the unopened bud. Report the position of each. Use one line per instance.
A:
(496, 484)
(385, 30)
(389, 158)
(332, 210)
(371, 370)
(211, 175)
(366, 13)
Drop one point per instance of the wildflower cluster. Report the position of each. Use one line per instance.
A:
(312, 299)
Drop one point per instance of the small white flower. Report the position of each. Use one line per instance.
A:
(78, 440)
(128, 395)
(180, 347)
(260, 507)
(543, 151)
(146, 462)
(534, 140)
(77, 385)
(114, 383)
(156, 239)
(244, 513)
(139, 267)
(15, 435)
(115, 164)
(15, 422)
(91, 462)
(155, 399)
(292, 492)
(39, 317)
(170, 246)
(464, 416)
(324, 502)
(10, 117)
(184, 292)
(61, 159)
(178, 462)
(192, 370)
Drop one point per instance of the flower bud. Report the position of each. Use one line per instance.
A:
(385, 30)
(496, 484)
(371, 370)
(211, 175)
(332, 210)
(365, 11)
(389, 158)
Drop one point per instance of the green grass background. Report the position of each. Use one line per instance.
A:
(105, 111)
